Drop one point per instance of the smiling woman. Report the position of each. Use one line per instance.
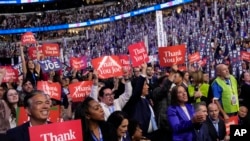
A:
(12, 99)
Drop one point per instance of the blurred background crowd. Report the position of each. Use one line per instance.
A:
(213, 30)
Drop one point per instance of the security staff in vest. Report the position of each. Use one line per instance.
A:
(225, 92)
(198, 90)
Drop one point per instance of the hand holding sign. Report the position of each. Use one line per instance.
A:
(175, 68)
(2, 72)
(125, 61)
(108, 66)
(172, 55)
(51, 50)
(35, 52)
(8, 74)
(50, 65)
(125, 76)
(78, 63)
(95, 79)
(138, 53)
(28, 38)
(80, 90)
(194, 57)
(52, 89)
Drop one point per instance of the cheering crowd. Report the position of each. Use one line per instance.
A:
(140, 105)
(148, 102)
(198, 27)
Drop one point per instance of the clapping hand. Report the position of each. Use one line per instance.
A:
(199, 117)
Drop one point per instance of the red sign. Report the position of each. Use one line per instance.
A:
(108, 66)
(182, 68)
(194, 57)
(51, 50)
(78, 63)
(54, 115)
(28, 38)
(33, 53)
(80, 90)
(62, 131)
(11, 74)
(125, 61)
(139, 54)
(50, 88)
(245, 55)
(231, 121)
(203, 62)
(168, 56)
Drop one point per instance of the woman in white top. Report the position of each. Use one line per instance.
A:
(11, 97)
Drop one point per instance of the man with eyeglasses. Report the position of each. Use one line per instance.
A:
(106, 95)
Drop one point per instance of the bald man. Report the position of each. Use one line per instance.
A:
(216, 126)
(225, 92)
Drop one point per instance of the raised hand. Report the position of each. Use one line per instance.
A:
(174, 67)
(199, 117)
(95, 78)
(2, 72)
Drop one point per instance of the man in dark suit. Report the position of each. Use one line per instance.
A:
(216, 126)
(37, 106)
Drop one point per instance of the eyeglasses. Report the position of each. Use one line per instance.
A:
(109, 95)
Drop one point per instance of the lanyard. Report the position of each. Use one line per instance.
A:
(100, 135)
(228, 82)
(111, 109)
(34, 77)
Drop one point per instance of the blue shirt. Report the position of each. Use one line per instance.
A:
(217, 90)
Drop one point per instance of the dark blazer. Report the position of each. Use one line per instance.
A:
(137, 107)
(126, 138)
(183, 128)
(212, 131)
(19, 133)
(161, 99)
(202, 134)
(108, 132)
(244, 95)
